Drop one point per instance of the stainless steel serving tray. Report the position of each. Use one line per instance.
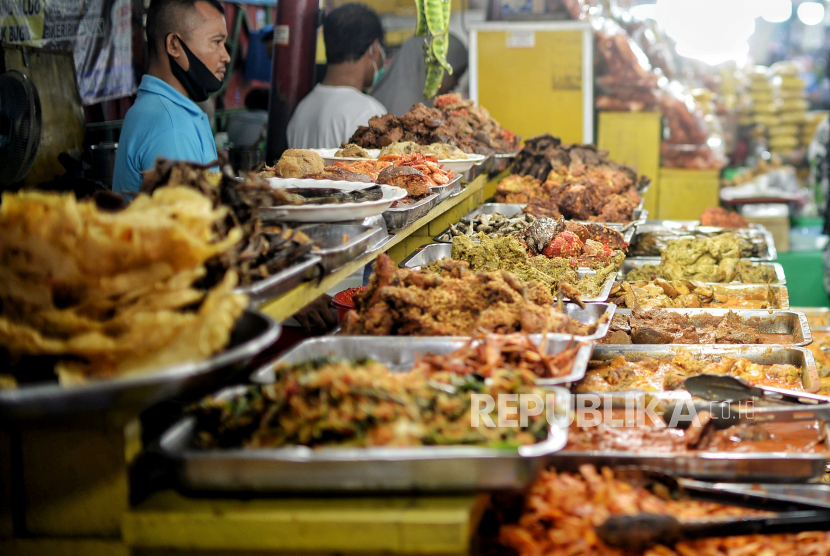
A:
(710, 466)
(512, 209)
(399, 353)
(630, 264)
(333, 251)
(477, 169)
(117, 400)
(781, 292)
(773, 467)
(283, 281)
(499, 162)
(436, 251)
(444, 191)
(446, 236)
(303, 469)
(398, 218)
(776, 321)
(819, 315)
(762, 354)
(754, 231)
(589, 315)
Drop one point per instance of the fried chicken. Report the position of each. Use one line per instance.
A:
(722, 218)
(457, 303)
(580, 183)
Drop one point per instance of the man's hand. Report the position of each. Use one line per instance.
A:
(317, 318)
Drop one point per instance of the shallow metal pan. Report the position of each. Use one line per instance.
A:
(512, 209)
(816, 316)
(444, 191)
(630, 264)
(777, 467)
(765, 355)
(282, 282)
(331, 247)
(754, 231)
(499, 162)
(398, 218)
(741, 290)
(710, 466)
(117, 400)
(477, 169)
(436, 251)
(589, 315)
(776, 321)
(446, 236)
(399, 353)
(302, 469)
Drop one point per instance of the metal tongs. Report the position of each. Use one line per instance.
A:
(722, 390)
(638, 532)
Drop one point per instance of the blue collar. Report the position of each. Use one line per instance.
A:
(154, 85)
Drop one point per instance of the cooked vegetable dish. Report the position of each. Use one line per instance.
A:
(659, 375)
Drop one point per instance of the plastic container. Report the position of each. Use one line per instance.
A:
(343, 302)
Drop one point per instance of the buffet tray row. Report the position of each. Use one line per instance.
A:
(468, 468)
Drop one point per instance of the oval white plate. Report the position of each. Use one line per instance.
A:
(457, 166)
(319, 184)
(335, 212)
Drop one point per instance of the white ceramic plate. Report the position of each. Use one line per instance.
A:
(328, 155)
(318, 184)
(335, 212)
(457, 166)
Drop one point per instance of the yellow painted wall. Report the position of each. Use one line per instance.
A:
(533, 90)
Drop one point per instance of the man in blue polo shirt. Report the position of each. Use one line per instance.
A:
(188, 60)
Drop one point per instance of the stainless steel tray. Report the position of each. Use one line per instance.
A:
(820, 316)
(639, 216)
(283, 281)
(776, 321)
(446, 236)
(774, 467)
(117, 400)
(512, 209)
(499, 162)
(754, 231)
(630, 264)
(477, 169)
(444, 191)
(399, 353)
(398, 218)
(436, 251)
(781, 292)
(710, 466)
(333, 251)
(764, 355)
(589, 315)
(302, 469)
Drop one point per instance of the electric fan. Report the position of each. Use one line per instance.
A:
(20, 124)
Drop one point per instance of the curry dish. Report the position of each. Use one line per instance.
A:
(683, 294)
(771, 437)
(716, 260)
(657, 326)
(659, 375)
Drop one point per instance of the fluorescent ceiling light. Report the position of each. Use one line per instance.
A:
(811, 13)
(776, 11)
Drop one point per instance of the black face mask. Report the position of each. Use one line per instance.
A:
(198, 81)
